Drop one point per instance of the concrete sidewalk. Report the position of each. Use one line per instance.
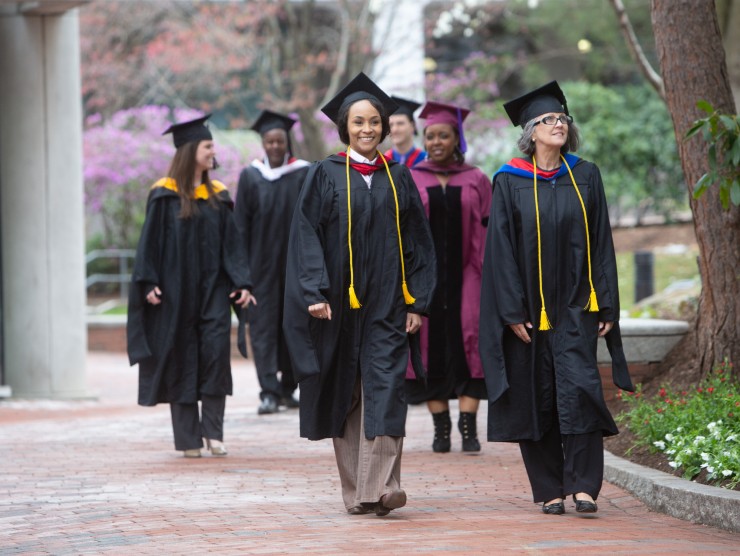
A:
(101, 477)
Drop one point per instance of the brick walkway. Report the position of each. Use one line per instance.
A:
(101, 477)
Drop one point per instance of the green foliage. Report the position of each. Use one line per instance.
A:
(628, 132)
(554, 28)
(697, 429)
(722, 133)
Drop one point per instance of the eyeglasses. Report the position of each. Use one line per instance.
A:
(552, 120)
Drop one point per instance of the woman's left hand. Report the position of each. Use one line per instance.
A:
(413, 323)
(242, 298)
(605, 327)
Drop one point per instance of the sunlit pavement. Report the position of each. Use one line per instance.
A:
(101, 476)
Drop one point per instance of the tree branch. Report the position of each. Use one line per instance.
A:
(342, 54)
(633, 44)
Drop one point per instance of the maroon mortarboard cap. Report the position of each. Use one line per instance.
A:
(440, 113)
(186, 132)
(360, 88)
(269, 120)
(548, 98)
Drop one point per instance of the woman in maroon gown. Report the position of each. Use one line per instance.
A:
(457, 200)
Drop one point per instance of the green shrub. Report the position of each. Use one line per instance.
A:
(697, 429)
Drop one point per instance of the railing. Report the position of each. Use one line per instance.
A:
(124, 273)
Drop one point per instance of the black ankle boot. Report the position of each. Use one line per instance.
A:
(442, 429)
(467, 426)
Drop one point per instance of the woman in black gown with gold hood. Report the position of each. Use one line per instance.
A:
(361, 271)
(549, 291)
(189, 268)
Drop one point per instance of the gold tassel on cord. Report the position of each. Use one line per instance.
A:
(544, 321)
(354, 303)
(592, 305)
(410, 299)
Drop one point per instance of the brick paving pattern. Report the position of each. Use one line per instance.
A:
(100, 476)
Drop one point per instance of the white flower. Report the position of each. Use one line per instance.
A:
(726, 472)
(669, 437)
(731, 438)
(660, 444)
(710, 469)
(670, 452)
(705, 456)
(679, 429)
(711, 425)
(673, 464)
(698, 440)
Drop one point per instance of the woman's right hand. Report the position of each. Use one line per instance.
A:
(521, 331)
(154, 297)
(320, 311)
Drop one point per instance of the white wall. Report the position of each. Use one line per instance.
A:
(399, 40)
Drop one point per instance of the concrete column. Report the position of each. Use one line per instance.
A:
(41, 206)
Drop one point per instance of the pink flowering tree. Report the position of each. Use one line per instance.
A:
(126, 153)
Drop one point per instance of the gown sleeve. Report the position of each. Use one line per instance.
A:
(145, 276)
(502, 243)
(418, 248)
(603, 252)
(607, 285)
(234, 252)
(306, 278)
(502, 294)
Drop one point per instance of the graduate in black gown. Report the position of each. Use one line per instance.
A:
(265, 199)
(403, 131)
(361, 272)
(189, 269)
(549, 291)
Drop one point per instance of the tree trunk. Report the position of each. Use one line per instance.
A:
(692, 61)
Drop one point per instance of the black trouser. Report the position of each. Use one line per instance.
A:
(559, 465)
(190, 428)
(272, 386)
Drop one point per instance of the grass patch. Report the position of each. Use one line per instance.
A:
(117, 310)
(667, 268)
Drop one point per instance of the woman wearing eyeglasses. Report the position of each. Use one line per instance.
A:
(549, 291)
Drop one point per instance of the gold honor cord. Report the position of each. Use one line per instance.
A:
(592, 304)
(354, 303)
(544, 321)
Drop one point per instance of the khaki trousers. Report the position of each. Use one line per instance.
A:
(368, 469)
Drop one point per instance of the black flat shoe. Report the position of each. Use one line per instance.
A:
(390, 501)
(556, 508)
(359, 510)
(584, 506)
(269, 405)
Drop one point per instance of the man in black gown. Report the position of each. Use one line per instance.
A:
(267, 193)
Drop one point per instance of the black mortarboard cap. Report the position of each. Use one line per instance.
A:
(185, 132)
(405, 106)
(360, 88)
(548, 98)
(269, 120)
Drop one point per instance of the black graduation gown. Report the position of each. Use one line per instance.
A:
(182, 345)
(519, 376)
(263, 213)
(328, 354)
